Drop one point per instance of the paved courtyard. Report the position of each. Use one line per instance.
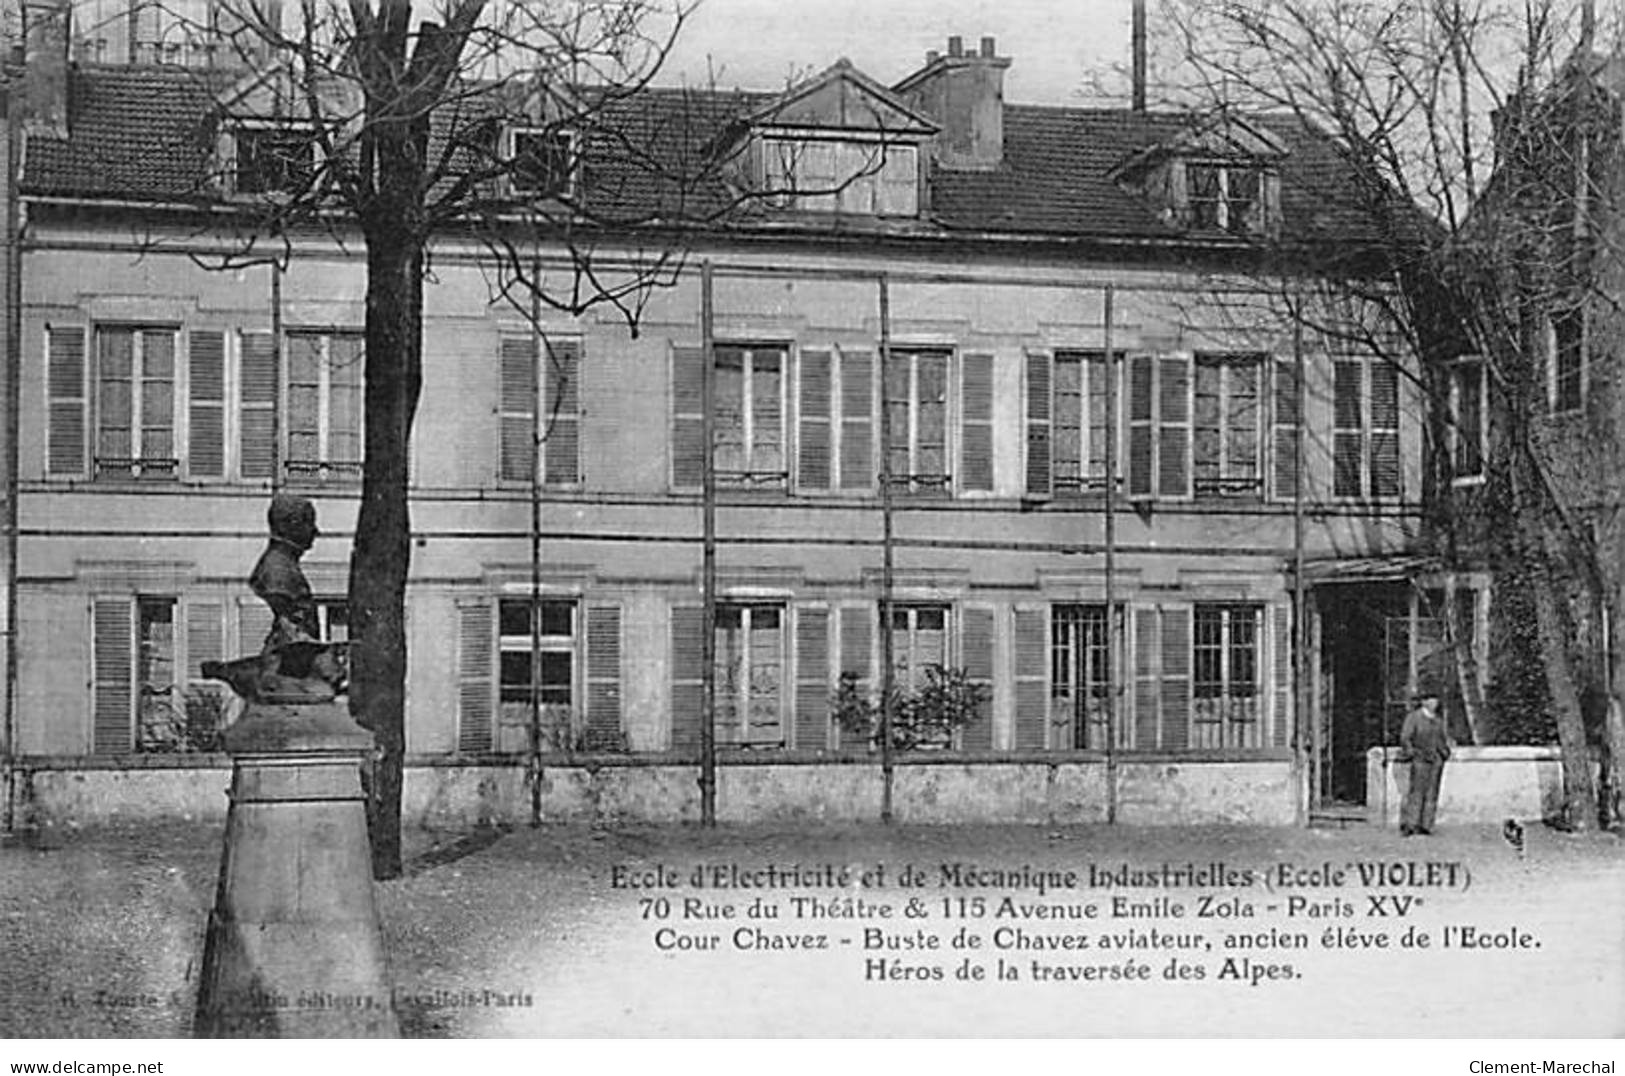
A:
(560, 931)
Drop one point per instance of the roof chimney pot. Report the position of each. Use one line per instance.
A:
(956, 46)
(987, 47)
(932, 56)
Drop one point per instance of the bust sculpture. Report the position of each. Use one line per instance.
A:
(294, 665)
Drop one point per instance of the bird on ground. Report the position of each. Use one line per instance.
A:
(1512, 830)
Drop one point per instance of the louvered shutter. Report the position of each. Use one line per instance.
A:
(206, 404)
(476, 682)
(1040, 408)
(1286, 417)
(516, 410)
(1141, 425)
(688, 417)
(1385, 479)
(1174, 426)
(687, 677)
(976, 656)
(603, 728)
(1146, 668)
(814, 432)
(1282, 626)
(111, 685)
(1348, 413)
(1175, 681)
(66, 401)
(976, 421)
(257, 403)
(562, 450)
(857, 419)
(1032, 690)
(856, 635)
(205, 636)
(812, 678)
(254, 622)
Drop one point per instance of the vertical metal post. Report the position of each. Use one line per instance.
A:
(1111, 565)
(887, 775)
(13, 412)
(540, 355)
(1300, 622)
(280, 409)
(708, 642)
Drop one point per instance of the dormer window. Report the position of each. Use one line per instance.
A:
(541, 162)
(873, 178)
(1226, 197)
(272, 159)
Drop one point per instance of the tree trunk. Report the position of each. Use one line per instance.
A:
(383, 537)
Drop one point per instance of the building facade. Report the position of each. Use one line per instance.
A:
(994, 305)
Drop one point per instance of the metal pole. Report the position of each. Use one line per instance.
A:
(887, 776)
(1300, 620)
(708, 642)
(539, 355)
(13, 412)
(279, 412)
(1111, 566)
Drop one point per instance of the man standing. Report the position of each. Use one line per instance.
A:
(1424, 743)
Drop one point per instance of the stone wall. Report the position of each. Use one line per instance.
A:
(1481, 784)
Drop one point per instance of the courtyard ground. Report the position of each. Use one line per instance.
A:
(527, 932)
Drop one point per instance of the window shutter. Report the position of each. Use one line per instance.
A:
(206, 413)
(1176, 677)
(476, 684)
(1347, 425)
(111, 662)
(1286, 419)
(67, 400)
(815, 432)
(205, 637)
(603, 731)
(687, 677)
(688, 417)
(563, 401)
(856, 632)
(857, 420)
(1032, 693)
(1040, 408)
(976, 419)
(1283, 675)
(257, 390)
(253, 625)
(976, 655)
(812, 678)
(1146, 668)
(1174, 426)
(516, 411)
(1384, 429)
(1141, 425)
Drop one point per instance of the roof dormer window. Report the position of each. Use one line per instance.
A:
(541, 162)
(851, 176)
(271, 158)
(1227, 197)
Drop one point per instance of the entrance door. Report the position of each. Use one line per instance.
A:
(1364, 644)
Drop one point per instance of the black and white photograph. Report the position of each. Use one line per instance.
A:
(749, 519)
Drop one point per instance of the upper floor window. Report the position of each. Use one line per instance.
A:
(1226, 450)
(1228, 197)
(324, 404)
(540, 413)
(1365, 428)
(272, 158)
(135, 402)
(830, 176)
(1467, 431)
(540, 162)
(750, 386)
(916, 400)
(1568, 365)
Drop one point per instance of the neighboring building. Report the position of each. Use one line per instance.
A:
(157, 418)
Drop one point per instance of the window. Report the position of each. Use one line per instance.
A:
(135, 402)
(871, 178)
(142, 698)
(1226, 679)
(750, 696)
(919, 639)
(1568, 364)
(273, 159)
(1080, 422)
(1365, 428)
(750, 408)
(1079, 703)
(916, 400)
(1226, 197)
(541, 162)
(1467, 431)
(1226, 457)
(545, 664)
(559, 405)
(324, 405)
(1159, 421)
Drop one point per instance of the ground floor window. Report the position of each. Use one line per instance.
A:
(750, 659)
(919, 635)
(535, 668)
(147, 695)
(1227, 705)
(1079, 679)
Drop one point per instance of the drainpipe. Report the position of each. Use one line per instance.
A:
(539, 353)
(13, 411)
(708, 644)
(887, 763)
(1111, 567)
(279, 411)
(1300, 604)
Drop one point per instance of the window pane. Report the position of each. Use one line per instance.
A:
(513, 617)
(557, 619)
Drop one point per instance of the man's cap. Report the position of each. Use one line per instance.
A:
(290, 513)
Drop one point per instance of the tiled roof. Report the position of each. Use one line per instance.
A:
(144, 133)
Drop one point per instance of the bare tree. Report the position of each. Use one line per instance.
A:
(1481, 167)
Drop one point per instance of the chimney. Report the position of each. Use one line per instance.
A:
(964, 93)
(1138, 46)
(46, 38)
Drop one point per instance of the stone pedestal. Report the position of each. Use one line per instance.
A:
(293, 947)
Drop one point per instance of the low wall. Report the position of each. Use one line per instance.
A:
(1481, 784)
(448, 794)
